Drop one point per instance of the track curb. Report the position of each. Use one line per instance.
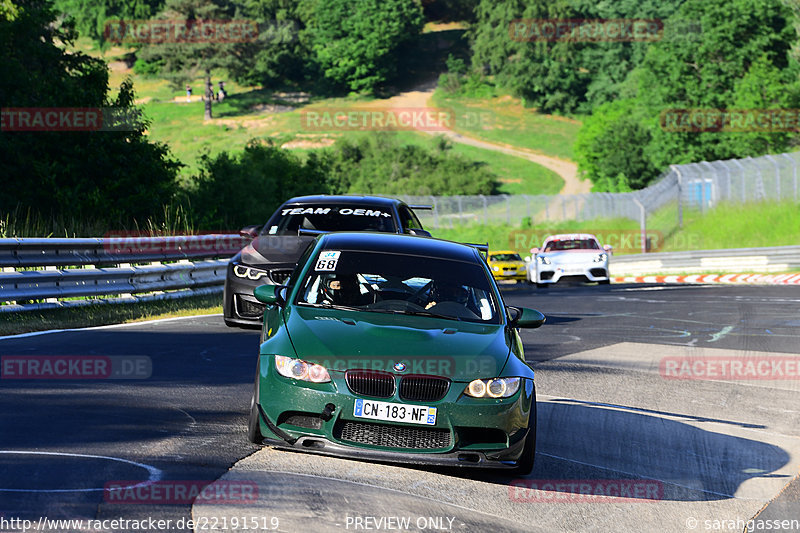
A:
(750, 278)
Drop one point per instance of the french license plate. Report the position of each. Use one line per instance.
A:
(394, 412)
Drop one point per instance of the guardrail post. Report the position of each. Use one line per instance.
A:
(435, 212)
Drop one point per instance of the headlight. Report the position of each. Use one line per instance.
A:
(496, 268)
(492, 388)
(599, 258)
(246, 272)
(297, 369)
(543, 260)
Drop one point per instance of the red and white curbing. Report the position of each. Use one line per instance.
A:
(766, 279)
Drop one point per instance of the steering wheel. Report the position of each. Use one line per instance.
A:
(418, 293)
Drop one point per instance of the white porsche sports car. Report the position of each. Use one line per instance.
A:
(569, 256)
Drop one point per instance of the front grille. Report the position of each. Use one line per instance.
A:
(248, 309)
(279, 277)
(394, 436)
(370, 383)
(423, 388)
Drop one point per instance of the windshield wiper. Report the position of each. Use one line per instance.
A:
(333, 306)
(416, 313)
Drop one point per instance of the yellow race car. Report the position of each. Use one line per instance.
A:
(507, 264)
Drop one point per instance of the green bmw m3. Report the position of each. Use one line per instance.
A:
(395, 348)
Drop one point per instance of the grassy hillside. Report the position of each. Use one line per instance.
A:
(505, 120)
(727, 226)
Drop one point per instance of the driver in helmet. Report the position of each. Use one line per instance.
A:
(448, 291)
(344, 289)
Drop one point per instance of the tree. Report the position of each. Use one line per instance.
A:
(278, 56)
(231, 180)
(741, 60)
(610, 148)
(182, 59)
(358, 42)
(115, 176)
(740, 41)
(91, 16)
(564, 76)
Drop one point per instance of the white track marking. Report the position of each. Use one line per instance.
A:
(155, 474)
(107, 326)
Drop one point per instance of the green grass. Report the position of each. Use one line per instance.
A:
(102, 314)
(505, 120)
(741, 226)
(516, 175)
(726, 226)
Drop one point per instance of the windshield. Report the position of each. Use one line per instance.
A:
(326, 217)
(572, 244)
(402, 284)
(505, 257)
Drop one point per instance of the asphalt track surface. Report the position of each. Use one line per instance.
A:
(708, 453)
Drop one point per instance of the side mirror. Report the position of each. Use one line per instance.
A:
(250, 231)
(527, 259)
(608, 248)
(523, 317)
(270, 294)
(418, 232)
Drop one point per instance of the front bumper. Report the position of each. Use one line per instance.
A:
(515, 276)
(553, 273)
(471, 459)
(509, 273)
(468, 431)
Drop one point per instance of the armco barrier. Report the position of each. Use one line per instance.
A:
(111, 266)
(752, 260)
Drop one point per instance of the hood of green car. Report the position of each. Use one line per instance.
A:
(401, 344)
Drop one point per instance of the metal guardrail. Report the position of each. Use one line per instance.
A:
(111, 266)
(760, 260)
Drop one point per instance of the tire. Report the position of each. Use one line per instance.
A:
(525, 463)
(253, 421)
(542, 285)
(604, 282)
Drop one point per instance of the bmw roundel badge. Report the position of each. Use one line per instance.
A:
(399, 366)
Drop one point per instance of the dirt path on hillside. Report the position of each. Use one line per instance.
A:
(566, 169)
